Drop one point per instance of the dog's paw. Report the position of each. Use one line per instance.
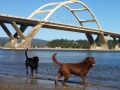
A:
(33, 76)
(56, 84)
(84, 83)
(80, 82)
(27, 72)
(88, 84)
(66, 85)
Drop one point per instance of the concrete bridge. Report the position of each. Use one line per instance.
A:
(15, 21)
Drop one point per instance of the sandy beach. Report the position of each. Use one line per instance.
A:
(20, 83)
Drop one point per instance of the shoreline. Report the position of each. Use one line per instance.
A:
(8, 82)
(20, 83)
(56, 49)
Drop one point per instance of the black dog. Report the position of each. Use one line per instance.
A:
(31, 62)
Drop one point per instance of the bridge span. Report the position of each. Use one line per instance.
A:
(103, 35)
(15, 22)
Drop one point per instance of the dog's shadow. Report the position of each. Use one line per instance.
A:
(70, 87)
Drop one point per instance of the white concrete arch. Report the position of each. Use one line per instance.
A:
(59, 4)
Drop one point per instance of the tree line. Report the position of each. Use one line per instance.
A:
(64, 43)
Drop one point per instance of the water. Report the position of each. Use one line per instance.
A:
(106, 72)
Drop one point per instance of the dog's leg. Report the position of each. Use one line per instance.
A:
(66, 77)
(32, 72)
(58, 77)
(36, 70)
(84, 81)
(27, 69)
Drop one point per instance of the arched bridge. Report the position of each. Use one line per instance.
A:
(102, 35)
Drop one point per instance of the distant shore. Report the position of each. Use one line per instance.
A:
(47, 48)
(59, 49)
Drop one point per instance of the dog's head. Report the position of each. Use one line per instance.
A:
(35, 60)
(90, 60)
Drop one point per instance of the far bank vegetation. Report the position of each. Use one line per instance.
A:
(84, 44)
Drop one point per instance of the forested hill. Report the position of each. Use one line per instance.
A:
(35, 42)
(64, 43)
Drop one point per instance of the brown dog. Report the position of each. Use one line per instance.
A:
(79, 69)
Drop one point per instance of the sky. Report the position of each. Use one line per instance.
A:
(106, 11)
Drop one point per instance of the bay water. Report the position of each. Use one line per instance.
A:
(106, 72)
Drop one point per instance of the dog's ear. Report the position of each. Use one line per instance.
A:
(86, 58)
(92, 57)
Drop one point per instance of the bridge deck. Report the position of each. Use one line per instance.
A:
(54, 25)
(18, 20)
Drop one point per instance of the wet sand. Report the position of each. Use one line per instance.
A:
(20, 83)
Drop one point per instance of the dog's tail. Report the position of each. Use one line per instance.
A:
(26, 53)
(55, 60)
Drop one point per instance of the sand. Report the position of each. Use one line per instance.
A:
(26, 83)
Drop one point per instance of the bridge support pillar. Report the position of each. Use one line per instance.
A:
(22, 29)
(91, 41)
(26, 43)
(104, 45)
(116, 43)
(107, 38)
(11, 43)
